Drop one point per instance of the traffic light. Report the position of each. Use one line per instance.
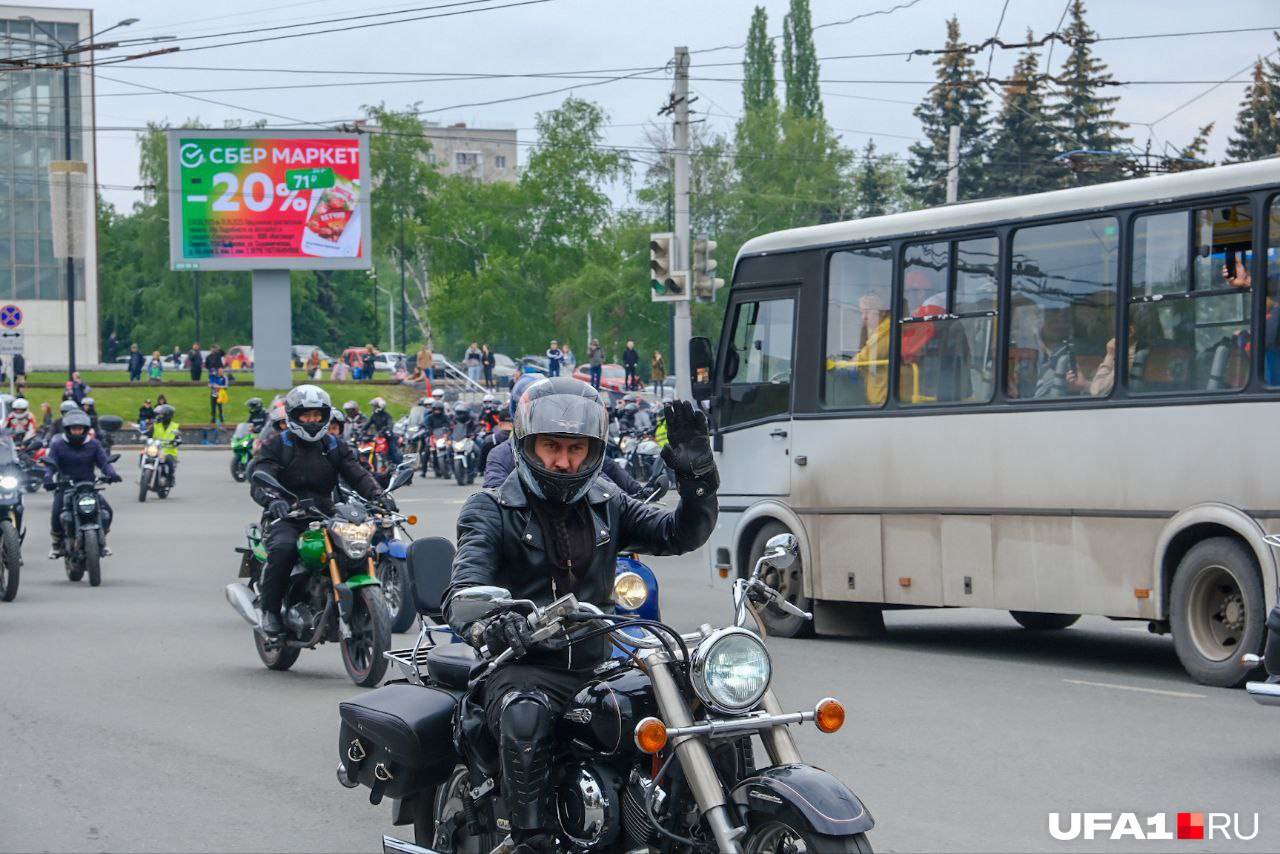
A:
(668, 285)
(705, 282)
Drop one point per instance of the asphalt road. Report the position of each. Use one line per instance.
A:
(136, 716)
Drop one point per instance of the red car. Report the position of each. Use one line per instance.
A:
(612, 376)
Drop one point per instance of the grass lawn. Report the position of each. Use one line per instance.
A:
(192, 402)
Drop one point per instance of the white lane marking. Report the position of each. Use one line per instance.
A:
(1180, 694)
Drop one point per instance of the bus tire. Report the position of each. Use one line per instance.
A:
(1217, 611)
(789, 582)
(1040, 621)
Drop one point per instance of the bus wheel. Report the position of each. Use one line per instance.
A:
(1039, 621)
(788, 582)
(1216, 611)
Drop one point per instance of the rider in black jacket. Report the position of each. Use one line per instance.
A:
(307, 461)
(555, 527)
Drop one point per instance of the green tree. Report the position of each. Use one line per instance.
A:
(1083, 116)
(1199, 146)
(1023, 145)
(1257, 130)
(879, 184)
(800, 62)
(759, 86)
(956, 99)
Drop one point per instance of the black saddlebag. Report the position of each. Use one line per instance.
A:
(397, 740)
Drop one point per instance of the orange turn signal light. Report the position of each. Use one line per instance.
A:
(412, 520)
(651, 735)
(829, 715)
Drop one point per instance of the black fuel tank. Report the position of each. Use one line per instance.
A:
(602, 717)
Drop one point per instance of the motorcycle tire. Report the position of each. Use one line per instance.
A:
(144, 483)
(362, 653)
(93, 556)
(237, 469)
(460, 472)
(10, 561)
(75, 572)
(278, 658)
(781, 836)
(398, 592)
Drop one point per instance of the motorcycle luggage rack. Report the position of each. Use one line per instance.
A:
(412, 661)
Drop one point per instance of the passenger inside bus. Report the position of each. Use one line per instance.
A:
(871, 363)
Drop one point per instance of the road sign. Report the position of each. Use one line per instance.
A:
(10, 316)
(12, 341)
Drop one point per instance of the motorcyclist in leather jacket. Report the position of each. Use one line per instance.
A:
(307, 461)
(257, 414)
(555, 527)
(381, 422)
(75, 455)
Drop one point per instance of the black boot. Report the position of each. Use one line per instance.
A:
(271, 625)
(526, 765)
(57, 550)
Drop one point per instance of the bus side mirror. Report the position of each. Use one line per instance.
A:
(701, 368)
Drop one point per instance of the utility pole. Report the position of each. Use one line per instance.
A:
(195, 289)
(953, 164)
(683, 322)
(403, 307)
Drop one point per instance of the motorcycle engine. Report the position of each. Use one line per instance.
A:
(588, 805)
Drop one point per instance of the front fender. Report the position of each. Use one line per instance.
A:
(801, 795)
(357, 581)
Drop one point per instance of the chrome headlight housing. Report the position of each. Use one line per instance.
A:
(629, 590)
(8, 482)
(353, 537)
(731, 670)
(153, 450)
(460, 446)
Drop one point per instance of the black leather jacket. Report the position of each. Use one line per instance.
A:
(309, 469)
(500, 543)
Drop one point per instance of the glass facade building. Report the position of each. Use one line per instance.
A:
(34, 132)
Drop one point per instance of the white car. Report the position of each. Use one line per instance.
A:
(386, 361)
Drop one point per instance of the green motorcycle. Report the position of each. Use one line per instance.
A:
(334, 593)
(242, 450)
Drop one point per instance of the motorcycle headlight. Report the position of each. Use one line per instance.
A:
(624, 445)
(460, 446)
(8, 482)
(86, 501)
(629, 590)
(730, 671)
(353, 538)
(153, 450)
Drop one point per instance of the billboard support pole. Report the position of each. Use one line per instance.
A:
(272, 330)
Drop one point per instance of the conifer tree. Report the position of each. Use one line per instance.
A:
(956, 99)
(1084, 117)
(1257, 130)
(1023, 145)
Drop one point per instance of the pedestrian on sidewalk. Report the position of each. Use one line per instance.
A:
(195, 361)
(630, 363)
(215, 358)
(474, 360)
(595, 356)
(554, 357)
(657, 373)
(135, 364)
(217, 393)
(570, 360)
(425, 357)
(113, 346)
(488, 362)
(155, 369)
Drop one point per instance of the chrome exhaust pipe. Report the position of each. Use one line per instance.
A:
(391, 845)
(241, 599)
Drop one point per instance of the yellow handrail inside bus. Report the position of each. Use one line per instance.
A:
(916, 396)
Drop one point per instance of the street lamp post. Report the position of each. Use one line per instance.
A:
(66, 51)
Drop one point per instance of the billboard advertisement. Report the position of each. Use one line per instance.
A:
(268, 200)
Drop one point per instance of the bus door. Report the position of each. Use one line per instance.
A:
(753, 414)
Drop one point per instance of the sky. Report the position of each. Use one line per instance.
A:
(864, 97)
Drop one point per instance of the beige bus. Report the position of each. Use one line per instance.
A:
(1054, 405)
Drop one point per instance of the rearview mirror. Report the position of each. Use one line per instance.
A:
(113, 458)
(701, 368)
(263, 479)
(400, 478)
(477, 603)
(782, 550)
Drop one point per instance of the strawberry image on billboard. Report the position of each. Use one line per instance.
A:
(284, 200)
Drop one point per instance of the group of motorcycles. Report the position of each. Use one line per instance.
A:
(452, 451)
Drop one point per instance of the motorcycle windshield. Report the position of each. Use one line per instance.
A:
(459, 432)
(243, 431)
(8, 453)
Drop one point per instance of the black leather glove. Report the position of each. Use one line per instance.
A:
(115, 478)
(49, 487)
(688, 449)
(508, 631)
(278, 509)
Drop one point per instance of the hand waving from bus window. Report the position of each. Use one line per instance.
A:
(688, 449)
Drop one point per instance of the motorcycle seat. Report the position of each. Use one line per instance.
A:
(451, 664)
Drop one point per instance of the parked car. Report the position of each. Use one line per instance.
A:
(504, 367)
(242, 353)
(386, 361)
(302, 352)
(612, 376)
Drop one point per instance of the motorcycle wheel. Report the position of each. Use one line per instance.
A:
(237, 468)
(370, 638)
(460, 472)
(442, 831)
(10, 561)
(278, 658)
(397, 593)
(775, 837)
(144, 483)
(93, 557)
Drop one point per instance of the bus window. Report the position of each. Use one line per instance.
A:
(857, 344)
(1062, 324)
(757, 366)
(1190, 316)
(947, 328)
(1271, 324)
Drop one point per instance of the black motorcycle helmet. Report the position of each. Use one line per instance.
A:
(164, 414)
(254, 404)
(565, 408)
(75, 427)
(438, 407)
(462, 412)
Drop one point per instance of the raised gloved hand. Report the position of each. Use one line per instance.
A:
(508, 631)
(278, 509)
(688, 449)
